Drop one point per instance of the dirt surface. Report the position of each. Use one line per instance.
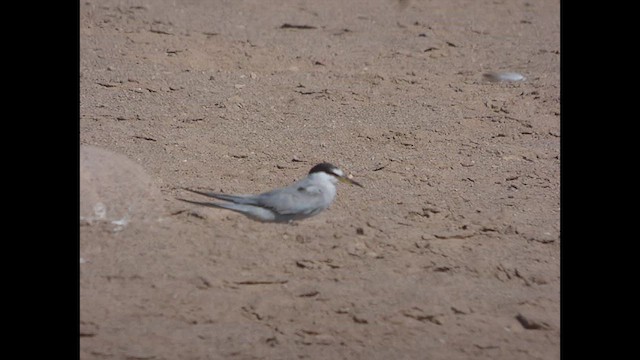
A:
(451, 251)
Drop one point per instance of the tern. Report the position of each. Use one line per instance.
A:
(305, 198)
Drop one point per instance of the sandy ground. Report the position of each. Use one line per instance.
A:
(451, 251)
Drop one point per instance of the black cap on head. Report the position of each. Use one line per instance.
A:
(335, 171)
(323, 167)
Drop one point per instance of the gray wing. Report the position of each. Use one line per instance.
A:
(238, 199)
(296, 199)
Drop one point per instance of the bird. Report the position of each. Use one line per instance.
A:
(300, 200)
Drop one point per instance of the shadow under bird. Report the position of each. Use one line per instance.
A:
(302, 199)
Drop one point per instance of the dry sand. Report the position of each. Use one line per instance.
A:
(452, 249)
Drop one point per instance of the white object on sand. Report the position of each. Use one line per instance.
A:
(503, 76)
